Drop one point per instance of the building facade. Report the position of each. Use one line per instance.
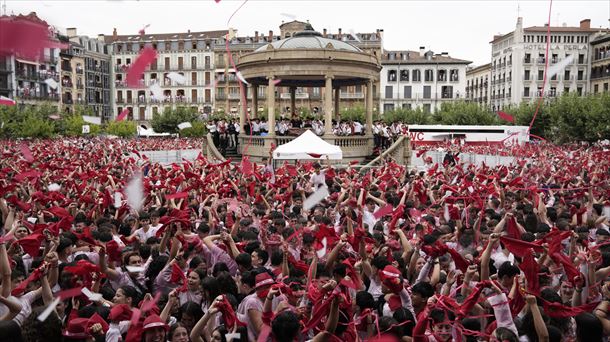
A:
(420, 79)
(29, 76)
(308, 99)
(72, 76)
(6, 77)
(518, 63)
(477, 85)
(190, 54)
(600, 64)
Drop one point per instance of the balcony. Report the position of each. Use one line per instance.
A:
(297, 96)
(233, 96)
(120, 100)
(540, 60)
(67, 84)
(79, 86)
(79, 70)
(66, 100)
(351, 96)
(40, 97)
(207, 66)
(66, 67)
(601, 55)
(5, 67)
(527, 61)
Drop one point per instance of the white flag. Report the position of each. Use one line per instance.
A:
(96, 120)
(117, 200)
(185, 125)
(51, 83)
(315, 198)
(45, 314)
(176, 77)
(241, 78)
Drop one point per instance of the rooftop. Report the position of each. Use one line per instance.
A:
(413, 57)
(165, 36)
(309, 39)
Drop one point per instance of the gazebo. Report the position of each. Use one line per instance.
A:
(308, 60)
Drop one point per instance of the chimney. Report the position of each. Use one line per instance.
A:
(422, 49)
(585, 24)
(256, 36)
(71, 32)
(270, 36)
(339, 35)
(324, 33)
(445, 54)
(115, 36)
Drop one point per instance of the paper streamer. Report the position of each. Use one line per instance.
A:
(47, 312)
(135, 192)
(25, 151)
(117, 200)
(176, 77)
(555, 69)
(135, 72)
(123, 115)
(96, 120)
(135, 269)
(94, 297)
(386, 210)
(315, 198)
(177, 195)
(185, 125)
(241, 77)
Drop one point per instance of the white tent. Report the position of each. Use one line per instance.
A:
(308, 146)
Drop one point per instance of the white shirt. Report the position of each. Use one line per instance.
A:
(256, 127)
(211, 128)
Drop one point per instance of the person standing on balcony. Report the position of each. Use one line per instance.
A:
(256, 127)
(231, 135)
(211, 126)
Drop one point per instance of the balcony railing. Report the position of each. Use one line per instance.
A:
(44, 97)
(37, 76)
(297, 96)
(351, 95)
(66, 67)
(66, 100)
(79, 70)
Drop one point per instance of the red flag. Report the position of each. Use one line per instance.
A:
(6, 101)
(177, 196)
(506, 117)
(383, 211)
(135, 72)
(123, 115)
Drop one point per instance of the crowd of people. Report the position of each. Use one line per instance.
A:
(221, 251)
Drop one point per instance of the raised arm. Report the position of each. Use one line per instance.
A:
(539, 325)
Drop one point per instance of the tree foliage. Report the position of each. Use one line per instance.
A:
(123, 129)
(198, 130)
(169, 120)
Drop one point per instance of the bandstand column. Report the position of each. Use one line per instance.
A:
(328, 106)
(293, 100)
(337, 93)
(254, 110)
(369, 107)
(271, 106)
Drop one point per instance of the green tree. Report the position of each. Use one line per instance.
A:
(33, 126)
(357, 113)
(198, 130)
(73, 126)
(123, 129)
(407, 115)
(464, 113)
(169, 120)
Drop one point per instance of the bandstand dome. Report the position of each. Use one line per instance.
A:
(308, 40)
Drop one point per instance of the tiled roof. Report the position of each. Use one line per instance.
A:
(413, 57)
(167, 36)
(559, 29)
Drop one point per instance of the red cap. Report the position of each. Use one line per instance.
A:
(76, 329)
(154, 321)
(263, 279)
(390, 277)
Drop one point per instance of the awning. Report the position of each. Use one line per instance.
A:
(24, 61)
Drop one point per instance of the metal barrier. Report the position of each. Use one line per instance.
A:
(467, 158)
(170, 156)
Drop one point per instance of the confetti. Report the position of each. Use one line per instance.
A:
(51, 83)
(135, 192)
(176, 77)
(157, 92)
(25, 151)
(123, 115)
(555, 69)
(506, 117)
(184, 125)
(47, 312)
(315, 198)
(135, 72)
(5, 101)
(241, 77)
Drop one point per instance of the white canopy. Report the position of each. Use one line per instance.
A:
(308, 146)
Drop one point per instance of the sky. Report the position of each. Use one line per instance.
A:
(461, 28)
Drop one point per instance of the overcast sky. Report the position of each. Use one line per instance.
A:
(462, 28)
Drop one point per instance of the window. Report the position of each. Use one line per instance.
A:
(193, 78)
(427, 108)
(579, 91)
(527, 58)
(406, 106)
(454, 75)
(194, 45)
(180, 46)
(180, 63)
(605, 86)
(391, 75)
(404, 75)
(387, 107)
(442, 75)
(427, 92)
(526, 92)
(566, 90)
(388, 92)
(540, 75)
(194, 62)
(207, 62)
(166, 63)
(581, 74)
(447, 92)
(581, 59)
(208, 95)
(596, 88)
(407, 92)
(566, 75)
(118, 61)
(429, 75)
(416, 75)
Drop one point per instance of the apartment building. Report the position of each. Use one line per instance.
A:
(600, 63)
(421, 79)
(477, 85)
(72, 75)
(518, 62)
(190, 54)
